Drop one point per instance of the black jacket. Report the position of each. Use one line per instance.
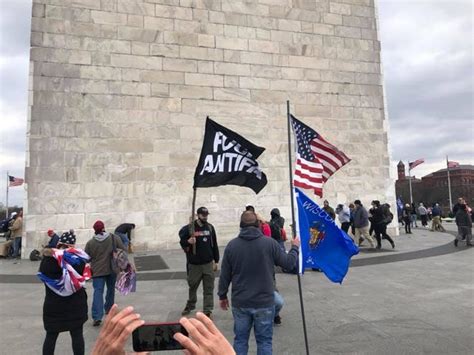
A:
(463, 218)
(378, 215)
(62, 314)
(248, 264)
(207, 249)
(125, 228)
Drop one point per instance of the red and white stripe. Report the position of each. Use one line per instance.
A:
(13, 181)
(453, 164)
(331, 158)
(309, 175)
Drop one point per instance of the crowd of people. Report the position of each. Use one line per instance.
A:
(362, 224)
(462, 213)
(248, 264)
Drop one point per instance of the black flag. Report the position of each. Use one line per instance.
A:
(228, 159)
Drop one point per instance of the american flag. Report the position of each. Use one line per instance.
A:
(453, 164)
(316, 159)
(13, 181)
(414, 164)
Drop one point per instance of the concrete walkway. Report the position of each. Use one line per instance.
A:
(399, 305)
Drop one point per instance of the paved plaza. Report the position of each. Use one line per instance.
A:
(417, 298)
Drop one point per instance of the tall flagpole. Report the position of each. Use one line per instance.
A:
(409, 182)
(449, 186)
(6, 202)
(191, 223)
(293, 226)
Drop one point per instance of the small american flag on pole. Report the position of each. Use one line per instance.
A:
(414, 164)
(13, 181)
(316, 159)
(453, 164)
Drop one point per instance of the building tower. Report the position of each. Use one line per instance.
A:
(401, 170)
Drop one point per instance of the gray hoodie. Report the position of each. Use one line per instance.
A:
(99, 248)
(248, 264)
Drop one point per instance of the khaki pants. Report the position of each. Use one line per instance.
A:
(436, 224)
(196, 273)
(363, 233)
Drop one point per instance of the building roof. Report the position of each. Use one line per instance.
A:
(460, 167)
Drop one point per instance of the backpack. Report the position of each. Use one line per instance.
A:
(119, 261)
(388, 217)
(35, 255)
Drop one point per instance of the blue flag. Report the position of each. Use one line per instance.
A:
(323, 244)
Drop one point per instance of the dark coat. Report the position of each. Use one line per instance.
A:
(62, 314)
(207, 249)
(248, 263)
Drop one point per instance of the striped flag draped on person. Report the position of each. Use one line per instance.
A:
(316, 159)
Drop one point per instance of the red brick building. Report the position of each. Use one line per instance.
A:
(433, 187)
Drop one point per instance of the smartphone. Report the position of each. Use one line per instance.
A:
(157, 337)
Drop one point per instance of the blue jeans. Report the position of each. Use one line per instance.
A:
(279, 302)
(98, 306)
(17, 247)
(262, 321)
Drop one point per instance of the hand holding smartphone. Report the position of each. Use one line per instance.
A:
(157, 337)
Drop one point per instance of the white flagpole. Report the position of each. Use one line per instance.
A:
(409, 182)
(6, 202)
(449, 186)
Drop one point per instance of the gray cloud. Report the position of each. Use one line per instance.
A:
(15, 19)
(428, 68)
(428, 64)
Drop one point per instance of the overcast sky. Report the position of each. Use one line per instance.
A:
(428, 70)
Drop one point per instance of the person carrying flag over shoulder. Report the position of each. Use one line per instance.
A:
(202, 256)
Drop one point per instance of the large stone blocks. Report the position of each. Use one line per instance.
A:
(121, 90)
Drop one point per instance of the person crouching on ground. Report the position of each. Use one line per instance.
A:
(65, 302)
(99, 248)
(248, 264)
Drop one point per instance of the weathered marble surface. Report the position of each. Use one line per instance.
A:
(120, 89)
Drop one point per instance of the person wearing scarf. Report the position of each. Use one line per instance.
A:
(65, 304)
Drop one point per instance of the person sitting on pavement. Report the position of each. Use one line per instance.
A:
(53, 239)
(100, 248)
(248, 263)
